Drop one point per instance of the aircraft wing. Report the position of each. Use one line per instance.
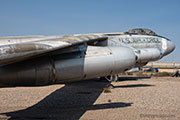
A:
(10, 53)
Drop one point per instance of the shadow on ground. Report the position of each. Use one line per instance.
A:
(134, 85)
(69, 102)
(132, 78)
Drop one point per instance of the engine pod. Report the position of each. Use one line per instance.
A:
(69, 67)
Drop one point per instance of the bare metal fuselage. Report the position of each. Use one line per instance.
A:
(110, 54)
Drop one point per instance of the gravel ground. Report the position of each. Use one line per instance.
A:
(132, 98)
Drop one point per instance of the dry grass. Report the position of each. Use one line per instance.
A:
(163, 74)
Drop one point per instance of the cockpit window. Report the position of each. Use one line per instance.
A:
(142, 31)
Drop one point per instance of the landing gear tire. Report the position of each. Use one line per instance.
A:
(114, 78)
(111, 78)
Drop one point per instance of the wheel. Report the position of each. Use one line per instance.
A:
(114, 78)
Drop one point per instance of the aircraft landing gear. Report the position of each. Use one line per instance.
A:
(111, 78)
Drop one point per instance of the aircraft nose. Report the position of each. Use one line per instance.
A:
(170, 47)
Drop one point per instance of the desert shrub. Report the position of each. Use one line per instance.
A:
(130, 73)
(107, 90)
(163, 74)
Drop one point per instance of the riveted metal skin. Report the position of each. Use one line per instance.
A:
(43, 60)
(98, 61)
(30, 72)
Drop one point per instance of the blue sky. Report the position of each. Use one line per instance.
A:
(54, 17)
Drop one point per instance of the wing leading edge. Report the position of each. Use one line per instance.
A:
(21, 51)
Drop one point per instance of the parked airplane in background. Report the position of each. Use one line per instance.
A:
(42, 60)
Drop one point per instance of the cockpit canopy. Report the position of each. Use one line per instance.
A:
(141, 31)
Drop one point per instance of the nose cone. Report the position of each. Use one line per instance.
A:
(170, 47)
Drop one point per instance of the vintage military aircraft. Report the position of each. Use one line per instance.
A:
(42, 60)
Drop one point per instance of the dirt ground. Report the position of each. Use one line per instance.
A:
(133, 98)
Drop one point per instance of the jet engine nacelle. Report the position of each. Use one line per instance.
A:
(145, 55)
(69, 67)
(98, 61)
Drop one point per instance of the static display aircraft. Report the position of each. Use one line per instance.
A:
(43, 60)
